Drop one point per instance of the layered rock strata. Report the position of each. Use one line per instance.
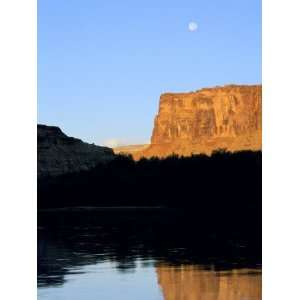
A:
(227, 117)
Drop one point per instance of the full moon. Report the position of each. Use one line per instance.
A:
(193, 26)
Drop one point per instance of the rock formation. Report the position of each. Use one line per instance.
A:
(130, 149)
(59, 154)
(192, 283)
(228, 117)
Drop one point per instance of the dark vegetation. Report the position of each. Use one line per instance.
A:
(222, 179)
(224, 186)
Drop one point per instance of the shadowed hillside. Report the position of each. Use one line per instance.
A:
(60, 154)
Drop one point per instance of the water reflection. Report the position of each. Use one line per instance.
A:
(193, 283)
(144, 256)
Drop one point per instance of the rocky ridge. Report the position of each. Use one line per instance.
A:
(59, 154)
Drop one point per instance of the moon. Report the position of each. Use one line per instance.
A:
(193, 26)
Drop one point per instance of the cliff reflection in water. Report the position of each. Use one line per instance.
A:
(147, 254)
(189, 282)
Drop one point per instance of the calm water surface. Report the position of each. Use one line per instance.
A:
(142, 256)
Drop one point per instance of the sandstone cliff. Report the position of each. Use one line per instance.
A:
(59, 154)
(211, 118)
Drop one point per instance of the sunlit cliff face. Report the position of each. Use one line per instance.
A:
(206, 120)
(192, 283)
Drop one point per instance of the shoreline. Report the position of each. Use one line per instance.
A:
(101, 208)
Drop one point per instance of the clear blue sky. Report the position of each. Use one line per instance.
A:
(102, 65)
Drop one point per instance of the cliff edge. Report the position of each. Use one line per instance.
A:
(226, 117)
